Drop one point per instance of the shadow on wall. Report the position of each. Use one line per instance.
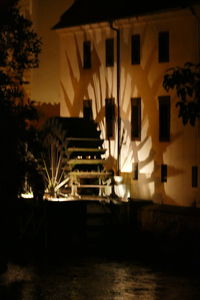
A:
(149, 153)
(98, 84)
(92, 84)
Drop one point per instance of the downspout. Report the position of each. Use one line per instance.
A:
(118, 97)
(197, 17)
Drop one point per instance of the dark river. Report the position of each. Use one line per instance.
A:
(97, 278)
(105, 264)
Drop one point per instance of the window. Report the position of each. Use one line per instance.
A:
(135, 170)
(194, 176)
(135, 49)
(163, 173)
(110, 117)
(164, 118)
(109, 52)
(163, 46)
(86, 54)
(135, 118)
(87, 109)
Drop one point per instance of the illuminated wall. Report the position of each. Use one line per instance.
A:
(144, 81)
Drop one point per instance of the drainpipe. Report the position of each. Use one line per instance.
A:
(118, 97)
(197, 17)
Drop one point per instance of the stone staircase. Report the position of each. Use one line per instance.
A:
(88, 178)
(82, 174)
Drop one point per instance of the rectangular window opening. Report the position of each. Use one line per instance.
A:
(135, 118)
(109, 52)
(135, 49)
(87, 109)
(135, 170)
(163, 173)
(110, 117)
(86, 54)
(194, 176)
(164, 118)
(163, 46)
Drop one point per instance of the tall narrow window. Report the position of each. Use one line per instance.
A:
(110, 118)
(163, 173)
(164, 118)
(135, 118)
(194, 176)
(109, 52)
(86, 54)
(135, 170)
(87, 109)
(135, 49)
(163, 46)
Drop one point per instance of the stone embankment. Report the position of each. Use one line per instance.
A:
(166, 231)
(134, 228)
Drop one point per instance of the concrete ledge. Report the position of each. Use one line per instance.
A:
(164, 218)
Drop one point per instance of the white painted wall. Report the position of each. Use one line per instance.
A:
(143, 81)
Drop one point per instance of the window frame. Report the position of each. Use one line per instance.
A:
(109, 52)
(87, 109)
(135, 49)
(135, 170)
(110, 118)
(87, 64)
(136, 119)
(163, 172)
(194, 176)
(163, 46)
(164, 116)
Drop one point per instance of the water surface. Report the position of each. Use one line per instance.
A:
(97, 278)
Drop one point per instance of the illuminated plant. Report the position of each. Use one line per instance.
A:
(54, 157)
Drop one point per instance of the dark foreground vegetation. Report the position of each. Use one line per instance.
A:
(32, 232)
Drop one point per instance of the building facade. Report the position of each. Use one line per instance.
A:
(112, 71)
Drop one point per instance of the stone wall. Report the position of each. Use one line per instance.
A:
(166, 230)
(164, 219)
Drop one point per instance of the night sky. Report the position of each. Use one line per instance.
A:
(4, 4)
(90, 11)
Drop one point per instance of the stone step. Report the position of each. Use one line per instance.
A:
(83, 150)
(86, 161)
(92, 186)
(82, 174)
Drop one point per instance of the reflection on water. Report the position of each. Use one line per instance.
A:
(95, 279)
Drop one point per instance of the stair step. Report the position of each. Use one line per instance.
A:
(84, 139)
(86, 161)
(82, 150)
(89, 198)
(74, 142)
(92, 186)
(81, 174)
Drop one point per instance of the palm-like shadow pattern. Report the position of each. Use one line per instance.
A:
(99, 83)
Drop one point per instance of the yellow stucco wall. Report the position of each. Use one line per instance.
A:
(145, 81)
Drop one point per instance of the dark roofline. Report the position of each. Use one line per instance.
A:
(107, 10)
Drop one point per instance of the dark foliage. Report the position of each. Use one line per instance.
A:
(186, 82)
(19, 51)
